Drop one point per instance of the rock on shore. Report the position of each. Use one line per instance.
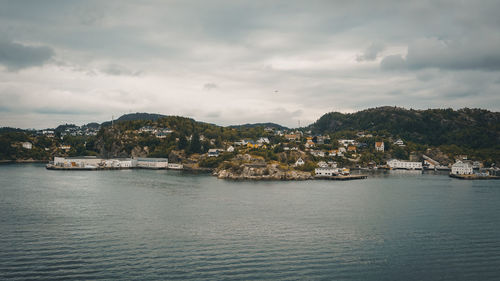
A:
(261, 172)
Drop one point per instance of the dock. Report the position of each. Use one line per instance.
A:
(342, 178)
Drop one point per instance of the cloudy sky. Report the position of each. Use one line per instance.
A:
(232, 62)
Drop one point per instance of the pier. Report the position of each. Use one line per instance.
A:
(341, 177)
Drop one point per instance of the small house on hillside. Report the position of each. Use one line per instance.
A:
(27, 145)
(299, 162)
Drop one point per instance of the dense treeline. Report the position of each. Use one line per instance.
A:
(469, 128)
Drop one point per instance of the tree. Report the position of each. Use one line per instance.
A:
(195, 144)
(183, 143)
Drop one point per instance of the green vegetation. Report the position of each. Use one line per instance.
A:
(473, 132)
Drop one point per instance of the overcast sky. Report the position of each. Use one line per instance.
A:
(233, 62)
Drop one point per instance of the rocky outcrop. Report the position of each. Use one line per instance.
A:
(249, 171)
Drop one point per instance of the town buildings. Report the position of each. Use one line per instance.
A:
(152, 163)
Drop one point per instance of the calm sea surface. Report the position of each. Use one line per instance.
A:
(149, 225)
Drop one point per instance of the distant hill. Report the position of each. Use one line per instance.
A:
(136, 116)
(473, 128)
(253, 125)
(93, 125)
(62, 128)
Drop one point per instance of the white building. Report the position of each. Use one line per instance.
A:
(65, 147)
(401, 164)
(332, 164)
(213, 152)
(152, 163)
(230, 148)
(399, 142)
(331, 171)
(379, 146)
(322, 164)
(120, 163)
(299, 162)
(147, 129)
(263, 140)
(27, 145)
(461, 168)
(326, 171)
(77, 162)
(318, 153)
(347, 142)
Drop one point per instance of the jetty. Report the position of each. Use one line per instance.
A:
(341, 177)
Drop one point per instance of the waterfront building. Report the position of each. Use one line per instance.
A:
(462, 168)
(331, 171)
(120, 163)
(402, 164)
(326, 171)
(77, 162)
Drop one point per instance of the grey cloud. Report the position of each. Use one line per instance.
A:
(213, 114)
(393, 62)
(447, 54)
(118, 70)
(455, 54)
(209, 86)
(63, 111)
(371, 52)
(17, 56)
(313, 50)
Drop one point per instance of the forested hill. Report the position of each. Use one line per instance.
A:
(473, 128)
(265, 125)
(137, 116)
